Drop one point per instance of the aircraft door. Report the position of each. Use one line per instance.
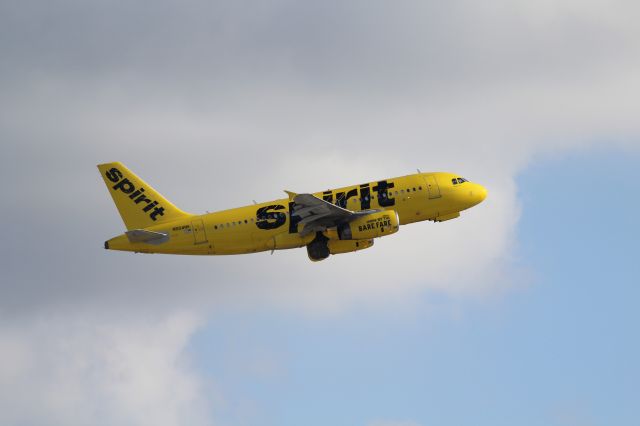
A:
(199, 233)
(432, 186)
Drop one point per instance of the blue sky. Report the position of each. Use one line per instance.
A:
(559, 348)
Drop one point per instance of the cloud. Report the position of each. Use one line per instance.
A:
(216, 104)
(88, 369)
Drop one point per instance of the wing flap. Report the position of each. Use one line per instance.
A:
(317, 214)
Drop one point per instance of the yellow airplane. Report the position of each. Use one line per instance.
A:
(331, 222)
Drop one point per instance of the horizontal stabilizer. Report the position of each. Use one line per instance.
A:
(148, 237)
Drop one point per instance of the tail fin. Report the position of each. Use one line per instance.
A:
(140, 205)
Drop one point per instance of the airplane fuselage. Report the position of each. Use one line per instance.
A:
(271, 226)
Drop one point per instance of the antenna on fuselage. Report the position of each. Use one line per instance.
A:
(418, 170)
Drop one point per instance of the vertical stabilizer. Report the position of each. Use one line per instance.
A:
(140, 205)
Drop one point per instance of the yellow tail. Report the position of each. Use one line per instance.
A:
(140, 205)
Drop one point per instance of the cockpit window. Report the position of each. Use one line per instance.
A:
(459, 180)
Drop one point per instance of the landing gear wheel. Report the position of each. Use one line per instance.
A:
(318, 249)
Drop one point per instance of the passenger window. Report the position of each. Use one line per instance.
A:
(419, 188)
(245, 221)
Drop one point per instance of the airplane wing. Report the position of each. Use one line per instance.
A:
(317, 214)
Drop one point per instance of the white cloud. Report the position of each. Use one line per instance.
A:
(85, 369)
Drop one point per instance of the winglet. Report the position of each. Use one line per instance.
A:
(291, 195)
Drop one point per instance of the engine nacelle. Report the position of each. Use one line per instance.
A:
(339, 247)
(371, 226)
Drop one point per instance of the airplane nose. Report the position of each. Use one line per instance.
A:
(482, 193)
(478, 194)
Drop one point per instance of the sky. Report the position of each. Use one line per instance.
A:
(520, 311)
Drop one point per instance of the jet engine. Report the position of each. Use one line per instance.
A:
(321, 247)
(339, 247)
(371, 226)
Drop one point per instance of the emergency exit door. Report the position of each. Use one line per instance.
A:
(199, 233)
(432, 186)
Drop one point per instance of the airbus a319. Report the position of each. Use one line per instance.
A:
(331, 222)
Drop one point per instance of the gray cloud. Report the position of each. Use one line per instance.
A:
(263, 96)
